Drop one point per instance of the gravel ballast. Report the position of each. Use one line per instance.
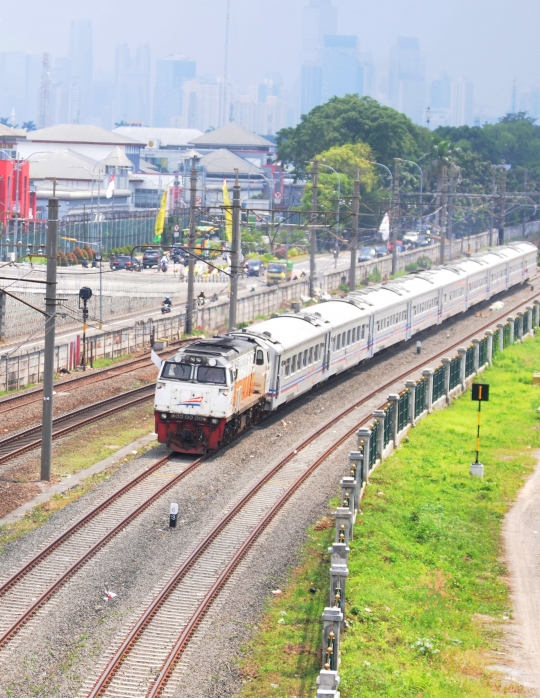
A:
(60, 648)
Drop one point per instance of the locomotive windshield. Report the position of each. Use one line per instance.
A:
(177, 372)
(211, 374)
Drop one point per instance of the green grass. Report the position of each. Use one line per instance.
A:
(105, 362)
(427, 597)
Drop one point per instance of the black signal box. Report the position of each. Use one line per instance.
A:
(480, 392)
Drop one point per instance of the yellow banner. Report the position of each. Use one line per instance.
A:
(228, 212)
(160, 220)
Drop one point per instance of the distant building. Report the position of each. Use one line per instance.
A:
(171, 74)
(20, 79)
(132, 80)
(238, 140)
(461, 102)
(165, 148)
(15, 200)
(81, 66)
(202, 105)
(407, 79)
(440, 101)
(529, 102)
(261, 110)
(342, 73)
(319, 18)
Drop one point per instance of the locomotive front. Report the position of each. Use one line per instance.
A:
(201, 391)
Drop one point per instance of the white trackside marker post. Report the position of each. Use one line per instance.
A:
(173, 515)
(418, 347)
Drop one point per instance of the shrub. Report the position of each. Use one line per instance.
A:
(375, 276)
(424, 263)
(411, 267)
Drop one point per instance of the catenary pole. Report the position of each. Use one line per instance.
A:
(502, 206)
(444, 212)
(235, 253)
(492, 212)
(354, 236)
(50, 309)
(395, 217)
(191, 246)
(313, 248)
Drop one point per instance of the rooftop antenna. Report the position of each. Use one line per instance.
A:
(428, 116)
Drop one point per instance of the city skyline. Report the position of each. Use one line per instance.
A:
(105, 84)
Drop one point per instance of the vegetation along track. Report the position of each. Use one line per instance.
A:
(23, 594)
(14, 402)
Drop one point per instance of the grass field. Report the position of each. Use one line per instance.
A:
(427, 594)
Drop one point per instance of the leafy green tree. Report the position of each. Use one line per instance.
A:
(29, 125)
(352, 119)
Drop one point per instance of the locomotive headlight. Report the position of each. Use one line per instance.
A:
(163, 415)
(215, 421)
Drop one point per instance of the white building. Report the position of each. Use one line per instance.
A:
(206, 104)
(461, 102)
(266, 117)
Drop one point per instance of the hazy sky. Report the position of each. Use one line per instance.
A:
(493, 42)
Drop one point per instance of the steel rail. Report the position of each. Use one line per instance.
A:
(23, 572)
(13, 402)
(139, 395)
(20, 574)
(145, 619)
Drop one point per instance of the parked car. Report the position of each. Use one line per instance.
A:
(254, 267)
(119, 261)
(133, 264)
(424, 240)
(381, 250)
(411, 238)
(366, 254)
(150, 259)
(178, 255)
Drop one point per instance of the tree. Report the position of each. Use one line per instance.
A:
(352, 119)
(29, 126)
(118, 124)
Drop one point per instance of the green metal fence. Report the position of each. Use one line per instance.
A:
(388, 424)
(516, 328)
(482, 351)
(525, 322)
(506, 334)
(374, 444)
(438, 383)
(469, 362)
(496, 340)
(455, 372)
(420, 397)
(403, 410)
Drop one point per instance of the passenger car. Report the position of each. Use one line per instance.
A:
(150, 259)
(120, 261)
(254, 267)
(366, 254)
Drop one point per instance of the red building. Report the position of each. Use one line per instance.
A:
(14, 190)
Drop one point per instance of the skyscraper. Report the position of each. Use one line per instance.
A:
(407, 79)
(319, 18)
(81, 65)
(342, 73)
(12, 79)
(439, 102)
(461, 102)
(171, 74)
(132, 85)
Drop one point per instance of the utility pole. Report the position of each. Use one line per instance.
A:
(450, 223)
(524, 213)
(235, 254)
(502, 205)
(492, 213)
(444, 212)
(313, 250)
(191, 247)
(354, 235)
(395, 216)
(50, 322)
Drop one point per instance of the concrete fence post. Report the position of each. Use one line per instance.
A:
(446, 363)
(344, 527)
(489, 334)
(537, 309)
(394, 400)
(411, 387)
(476, 344)
(511, 321)
(364, 440)
(332, 620)
(338, 582)
(348, 495)
(356, 473)
(500, 327)
(380, 415)
(428, 373)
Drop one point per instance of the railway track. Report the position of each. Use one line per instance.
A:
(18, 444)
(13, 402)
(24, 593)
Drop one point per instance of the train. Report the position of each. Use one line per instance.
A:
(214, 388)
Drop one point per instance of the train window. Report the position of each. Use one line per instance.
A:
(293, 368)
(316, 354)
(338, 345)
(177, 372)
(260, 357)
(304, 363)
(310, 359)
(353, 335)
(211, 374)
(348, 337)
(286, 367)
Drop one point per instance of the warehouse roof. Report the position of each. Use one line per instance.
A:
(80, 133)
(231, 135)
(6, 132)
(63, 164)
(166, 137)
(223, 162)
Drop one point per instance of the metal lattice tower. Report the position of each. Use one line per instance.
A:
(45, 94)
